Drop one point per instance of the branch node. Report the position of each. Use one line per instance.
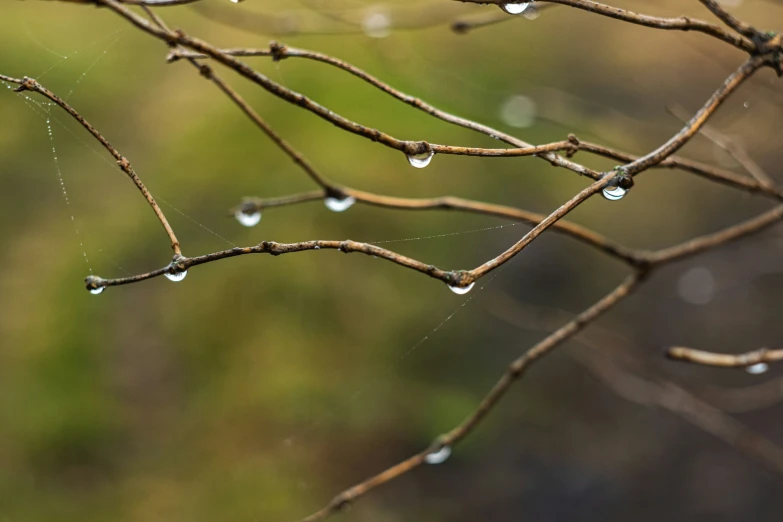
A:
(93, 282)
(179, 264)
(278, 50)
(414, 148)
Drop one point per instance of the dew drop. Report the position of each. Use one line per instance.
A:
(421, 160)
(614, 193)
(98, 290)
(339, 205)
(176, 276)
(438, 457)
(515, 8)
(317, 247)
(462, 290)
(758, 368)
(248, 220)
(236, 1)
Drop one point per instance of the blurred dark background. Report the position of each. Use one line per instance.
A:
(259, 387)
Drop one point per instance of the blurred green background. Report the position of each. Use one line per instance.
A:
(260, 387)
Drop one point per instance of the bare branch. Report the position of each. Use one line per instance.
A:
(682, 23)
(29, 84)
(724, 360)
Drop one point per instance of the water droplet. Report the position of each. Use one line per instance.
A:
(462, 290)
(176, 276)
(98, 290)
(614, 193)
(376, 24)
(758, 368)
(248, 220)
(438, 457)
(515, 8)
(317, 247)
(420, 160)
(339, 205)
(236, 1)
(746, 105)
(532, 13)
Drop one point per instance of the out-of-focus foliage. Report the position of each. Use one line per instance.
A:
(259, 387)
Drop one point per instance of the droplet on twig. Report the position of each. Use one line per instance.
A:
(176, 276)
(339, 205)
(462, 290)
(758, 368)
(421, 160)
(614, 193)
(248, 220)
(438, 457)
(515, 8)
(98, 290)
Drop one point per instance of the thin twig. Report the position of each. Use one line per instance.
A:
(725, 360)
(29, 84)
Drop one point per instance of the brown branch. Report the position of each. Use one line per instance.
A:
(280, 51)
(515, 370)
(682, 23)
(731, 146)
(725, 360)
(29, 84)
(587, 236)
(728, 19)
(700, 244)
(709, 172)
(744, 72)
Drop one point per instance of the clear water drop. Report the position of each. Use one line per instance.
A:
(236, 1)
(176, 276)
(614, 193)
(462, 290)
(98, 290)
(317, 247)
(438, 457)
(339, 205)
(758, 368)
(515, 8)
(248, 220)
(421, 160)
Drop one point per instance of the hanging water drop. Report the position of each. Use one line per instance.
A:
(176, 276)
(462, 290)
(614, 193)
(438, 457)
(339, 205)
(758, 368)
(515, 8)
(97, 290)
(248, 220)
(236, 1)
(421, 160)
